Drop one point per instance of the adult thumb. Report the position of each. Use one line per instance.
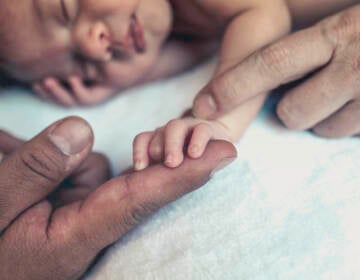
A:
(35, 170)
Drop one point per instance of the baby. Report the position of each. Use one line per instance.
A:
(100, 47)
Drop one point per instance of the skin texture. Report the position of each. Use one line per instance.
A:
(326, 102)
(88, 42)
(47, 232)
(248, 24)
(81, 42)
(249, 30)
(77, 42)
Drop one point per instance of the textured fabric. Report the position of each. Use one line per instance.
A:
(286, 209)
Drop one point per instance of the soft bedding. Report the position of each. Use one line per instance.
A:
(287, 208)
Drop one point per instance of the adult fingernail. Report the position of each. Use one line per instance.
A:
(71, 136)
(225, 162)
(205, 106)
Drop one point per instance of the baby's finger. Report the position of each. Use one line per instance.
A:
(46, 94)
(199, 139)
(156, 149)
(89, 95)
(140, 150)
(175, 135)
(59, 93)
(80, 91)
(40, 90)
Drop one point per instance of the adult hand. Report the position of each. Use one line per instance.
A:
(327, 101)
(41, 241)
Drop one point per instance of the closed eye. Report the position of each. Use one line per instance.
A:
(64, 11)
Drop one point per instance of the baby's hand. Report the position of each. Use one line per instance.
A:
(169, 143)
(76, 93)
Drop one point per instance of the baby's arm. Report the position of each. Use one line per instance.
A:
(249, 30)
(177, 56)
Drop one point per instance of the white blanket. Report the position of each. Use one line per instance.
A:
(286, 209)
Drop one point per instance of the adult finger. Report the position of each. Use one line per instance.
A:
(9, 143)
(316, 99)
(39, 166)
(344, 123)
(92, 173)
(287, 60)
(119, 205)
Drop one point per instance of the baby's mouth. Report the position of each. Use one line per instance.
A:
(134, 38)
(136, 31)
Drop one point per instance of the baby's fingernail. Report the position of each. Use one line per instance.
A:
(139, 165)
(169, 159)
(194, 150)
(205, 106)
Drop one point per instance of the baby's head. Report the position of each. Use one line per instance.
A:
(111, 41)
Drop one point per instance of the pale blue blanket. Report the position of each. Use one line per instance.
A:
(288, 208)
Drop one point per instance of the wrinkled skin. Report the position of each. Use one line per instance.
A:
(54, 230)
(327, 101)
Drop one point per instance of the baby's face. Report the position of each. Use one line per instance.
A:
(113, 41)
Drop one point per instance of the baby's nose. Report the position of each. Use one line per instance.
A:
(95, 43)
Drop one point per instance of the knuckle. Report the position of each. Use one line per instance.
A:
(158, 132)
(136, 142)
(343, 26)
(175, 124)
(137, 213)
(138, 139)
(273, 59)
(223, 90)
(288, 116)
(42, 163)
(101, 162)
(203, 128)
(155, 151)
